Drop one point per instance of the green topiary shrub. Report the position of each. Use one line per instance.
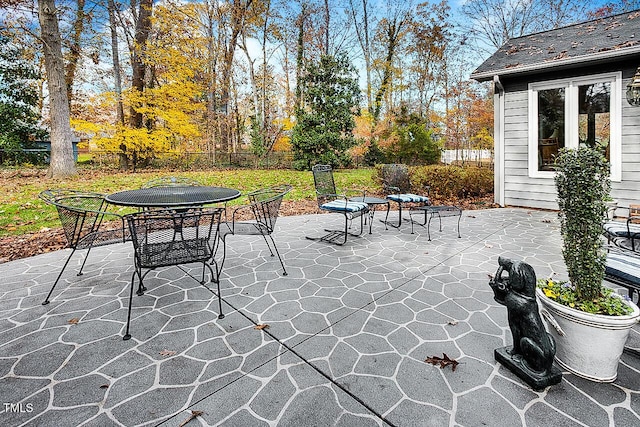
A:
(583, 184)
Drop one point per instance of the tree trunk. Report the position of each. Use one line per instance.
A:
(143, 28)
(326, 29)
(300, 56)
(393, 34)
(75, 49)
(238, 14)
(117, 72)
(62, 163)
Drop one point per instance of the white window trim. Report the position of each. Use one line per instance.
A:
(571, 119)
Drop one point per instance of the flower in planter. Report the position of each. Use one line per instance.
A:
(607, 302)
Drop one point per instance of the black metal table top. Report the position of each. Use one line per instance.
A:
(160, 197)
(370, 200)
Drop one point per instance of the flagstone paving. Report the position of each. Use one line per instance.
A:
(341, 340)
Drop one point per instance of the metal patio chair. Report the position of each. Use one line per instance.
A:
(86, 223)
(397, 185)
(258, 218)
(624, 233)
(170, 238)
(330, 201)
(170, 181)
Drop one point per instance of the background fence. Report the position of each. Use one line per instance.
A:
(209, 160)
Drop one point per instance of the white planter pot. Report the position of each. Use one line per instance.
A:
(587, 345)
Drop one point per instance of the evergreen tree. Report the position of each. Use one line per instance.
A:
(325, 119)
(18, 98)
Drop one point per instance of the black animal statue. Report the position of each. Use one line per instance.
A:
(531, 357)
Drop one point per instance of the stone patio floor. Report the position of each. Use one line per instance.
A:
(348, 333)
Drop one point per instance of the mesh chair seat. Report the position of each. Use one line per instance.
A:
(86, 223)
(165, 254)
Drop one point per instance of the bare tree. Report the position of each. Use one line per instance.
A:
(115, 58)
(391, 30)
(490, 23)
(361, 26)
(75, 47)
(62, 162)
(143, 28)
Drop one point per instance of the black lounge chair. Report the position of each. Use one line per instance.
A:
(623, 233)
(330, 201)
(86, 223)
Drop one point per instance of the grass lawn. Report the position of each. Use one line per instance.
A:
(22, 212)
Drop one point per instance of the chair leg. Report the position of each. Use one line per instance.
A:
(46, 300)
(127, 335)
(264, 236)
(339, 237)
(84, 261)
(206, 266)
(223, 242)
(279, 257)
(221, 314)
(386, 219)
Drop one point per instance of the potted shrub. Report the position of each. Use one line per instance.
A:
(589, 322)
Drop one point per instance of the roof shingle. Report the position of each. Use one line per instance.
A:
(614, 36)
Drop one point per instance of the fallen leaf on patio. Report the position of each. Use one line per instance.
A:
(261, 326)
(452, 322)
(167, 353)
(74, 321)
(192, 416)
(443, 361)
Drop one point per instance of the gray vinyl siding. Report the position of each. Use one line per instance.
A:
(521, 190)
(628, 190)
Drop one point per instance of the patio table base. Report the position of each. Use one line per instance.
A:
(430, 211)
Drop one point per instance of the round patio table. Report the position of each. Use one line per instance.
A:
(172, 197)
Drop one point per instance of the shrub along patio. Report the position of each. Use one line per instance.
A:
(344, 339)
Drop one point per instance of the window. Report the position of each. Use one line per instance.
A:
(567, 113)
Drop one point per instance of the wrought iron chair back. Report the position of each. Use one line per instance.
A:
(86, 223)
(330, 201)
(170, 181)
(262, 212)
(170, 238)
(395, 178)
(324, 183)
(396, 183)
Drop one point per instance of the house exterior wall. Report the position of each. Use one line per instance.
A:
(519, 189)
